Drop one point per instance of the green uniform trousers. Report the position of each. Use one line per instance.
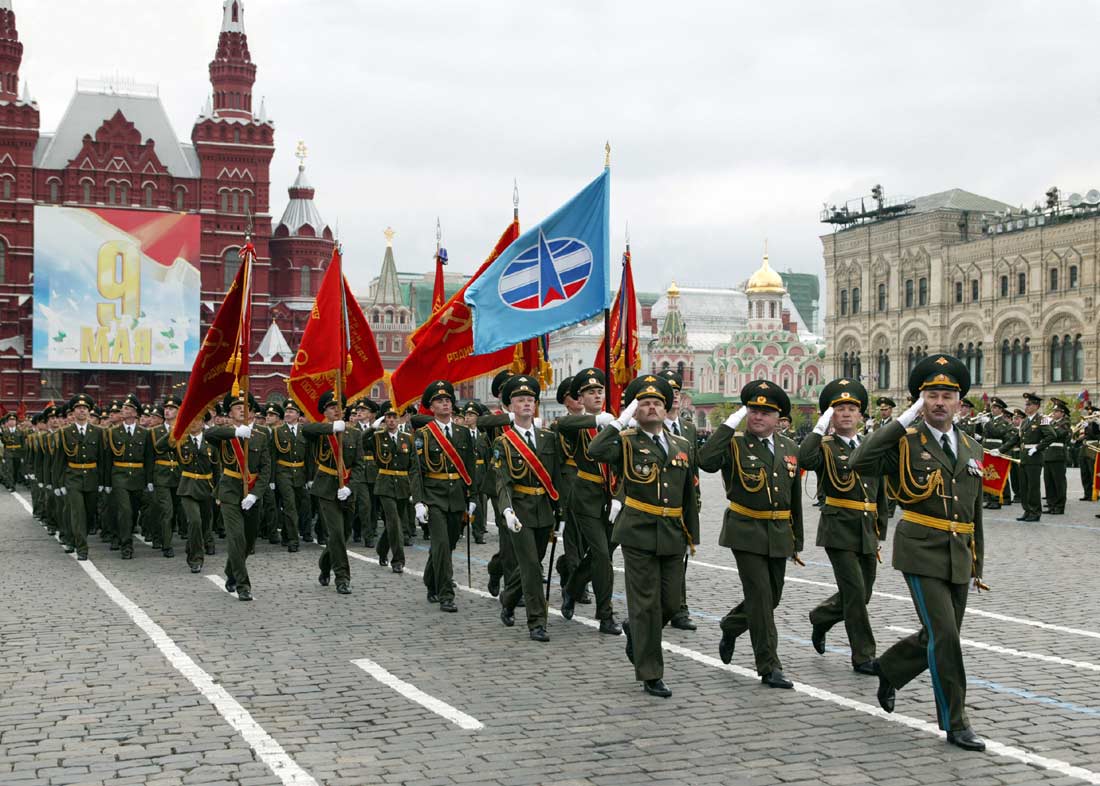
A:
(334, 558)
(1054, 482)
(571, 548)
(503, 563)
(293, 503)
(392, 538)
(762, 583)
(64, 523)
(170, 514)
(596, 564)
(1029, 489)
(652, 599)
(444, 529)
(192, 515)
(936, 646)
(127, 506)
(241, 527)
(855, 580)
(82, 513)
(1085, 465)
(529, 547)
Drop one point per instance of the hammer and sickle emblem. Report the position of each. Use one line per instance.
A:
(213, 342)
(449, 318)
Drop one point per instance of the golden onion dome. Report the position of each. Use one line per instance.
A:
(673, 290)
(765, 281)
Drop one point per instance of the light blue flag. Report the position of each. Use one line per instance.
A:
(554, 275)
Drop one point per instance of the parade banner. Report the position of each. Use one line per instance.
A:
(995, 471)
(115, 289)
(623, 330)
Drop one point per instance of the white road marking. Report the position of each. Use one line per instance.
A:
(981, 645)
(999, 748)
(263, 744)
(413, 693)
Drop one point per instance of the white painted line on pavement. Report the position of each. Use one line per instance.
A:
(981, 645)
(413, 693)
(263, 744)
(999, 748)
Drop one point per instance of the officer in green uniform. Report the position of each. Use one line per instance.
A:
(590, 501)
(56, 501)
(655, 525)
(31, 446)
(853, 520)
(14, 442)
(763, 525)
(288, 441)
(78, 472)
(395, 461)
(998, 435)
(484, 477)
(686, 429)
(364, 476)
(1035, 437)
(938, 545)
(491, 426)
(43, 469)
(525, 463)
(1086, 433)
(442, 488)
(237, 493)
(267, 418)
(567, 466)
(131, 473)
(1054, 458)
(166, 475)
(196, 487)
(332, 443)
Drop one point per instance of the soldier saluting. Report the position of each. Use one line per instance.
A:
(938, 544)
(763, 525)
(853, 520)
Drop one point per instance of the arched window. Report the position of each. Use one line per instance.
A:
(958, 292)
(3, 262)
(304, 279)
(1016, 361)
(1056, 359)
(979, 366)
(396, 343)
(1073, 276)
(845, 366)
(1067, 358)
(1006, 363)
(112, 194)
(759, 309)
(8, 181)
(680, 369)
(55, 192)
(922, 292)
(883, 369)
(857, 367)
(855, 300)
(1054, 279)
(181, 195)
(234, 202)
(909, 293)
(123, 194)
(225, 201)
(231, 263)
(771, 310)
(1004, 286)
(86, 192)
(881, 297)
(245, 202)
(844, 302)
(974, 290)
(1078, 359)
(1021, 284)
(149, 195)
(237, 135)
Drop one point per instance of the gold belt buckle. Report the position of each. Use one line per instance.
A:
(954, 527)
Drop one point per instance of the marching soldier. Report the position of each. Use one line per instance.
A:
(442, 488)
(998, 435)
(1054, 459)
(267, 420)
(13, 442)
(196, 488)
(240, 447)
(567, 467)
(290, 451)
(655, 525)
(525, 463)
(853, 520)
(1034, 439)
(395, 460)
(78, 473)
(131, 474)
(484, 477)
(336, 451)
(763, 525)
(590, 501)
(1014, 473)
(885, 415)
(1087, 430)
(491, 426)
(166, 476)
(364, 475)
(938, 545)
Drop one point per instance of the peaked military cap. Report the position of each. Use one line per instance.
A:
(156, 412)
(387, 408)
(230, 400)
(563, 389)
(79, 400)
(843, 391)
(1019, 413)
(349, 411)
(1031, 398)
(173, 400)
(885, 400)
(130, 401)
(498, 381)
(767, 395)
(587, 379)
(939, 372)
(998, 402)
(649, 386)
(519, 385)
(441, 388)
(291, 404)
(367, 404)
(116, 406)
(672, 377)
(273, 408)
(9, 416)
(969, 402)
(328, 399)
(1060, 404)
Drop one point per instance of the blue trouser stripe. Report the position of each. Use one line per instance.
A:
(937, 688)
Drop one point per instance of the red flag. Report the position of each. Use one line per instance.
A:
(439, 294)
(443, 347)
(330, 343)
(222, 362)
(3, 410)
(623, 335)
(21, 413)
(995, 471)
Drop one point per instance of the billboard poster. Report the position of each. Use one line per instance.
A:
(115, 289)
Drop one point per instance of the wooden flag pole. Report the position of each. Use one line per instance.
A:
(345, 359)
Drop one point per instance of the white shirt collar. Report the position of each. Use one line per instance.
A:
(952, 437)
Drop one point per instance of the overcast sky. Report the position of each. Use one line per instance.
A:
(729, 121)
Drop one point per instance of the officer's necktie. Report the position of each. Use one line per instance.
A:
(530, 439)
(196, 441)
(675, 428)
(447, 430)
(947, 450)
(767, 445)
(660, 448)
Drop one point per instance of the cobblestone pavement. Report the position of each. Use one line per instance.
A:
(205, 689)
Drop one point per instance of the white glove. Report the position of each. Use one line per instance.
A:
(149, 487)
(604, 419)
(343, 493)
(823, 422)
(107, 489)
(243, 432)
(560, 530)
(735, 418)
(248, 502)
(337, 426)
(907, 417)
(309, 485)
(378, 423)
(49, 487)
(99, 489)
(471, 508)
(57, 492)
(616, 508)
(632, 423)
(626, 415)
(995, 452)
(63, 491)
(30, 477)
(421, 513)
(511, 521)
(271, 486)
(977, 437)
(511, 416)
(1032, 450)
(40, 485)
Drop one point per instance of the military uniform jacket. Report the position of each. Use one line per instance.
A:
(166, 468)
(290, 454)
(517, 485)
(14, 442)
(918, 470)
(659, 508)
(36, 445)
(484, 477)
(590, 494)
(877, 423)
(438, 482)
(846, 528)
(197, 469)
(78, 463)
(230, 488)
(1033, 432)
(1055, 452)
(326, 478)
(489, 427)
(131, 461)
(691, 436)
(364, 473)
(765, 495)
(999, 434)
(567, 465)
(395, 463)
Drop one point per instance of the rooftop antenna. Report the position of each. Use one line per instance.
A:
(515, 199)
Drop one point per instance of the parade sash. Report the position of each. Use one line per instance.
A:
(238, 453)
(335, 445)
(532, 461)
(451, 451)
(605, 473)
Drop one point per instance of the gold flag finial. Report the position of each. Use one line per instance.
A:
(389, 233)
(301, 153)
(607, 155)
